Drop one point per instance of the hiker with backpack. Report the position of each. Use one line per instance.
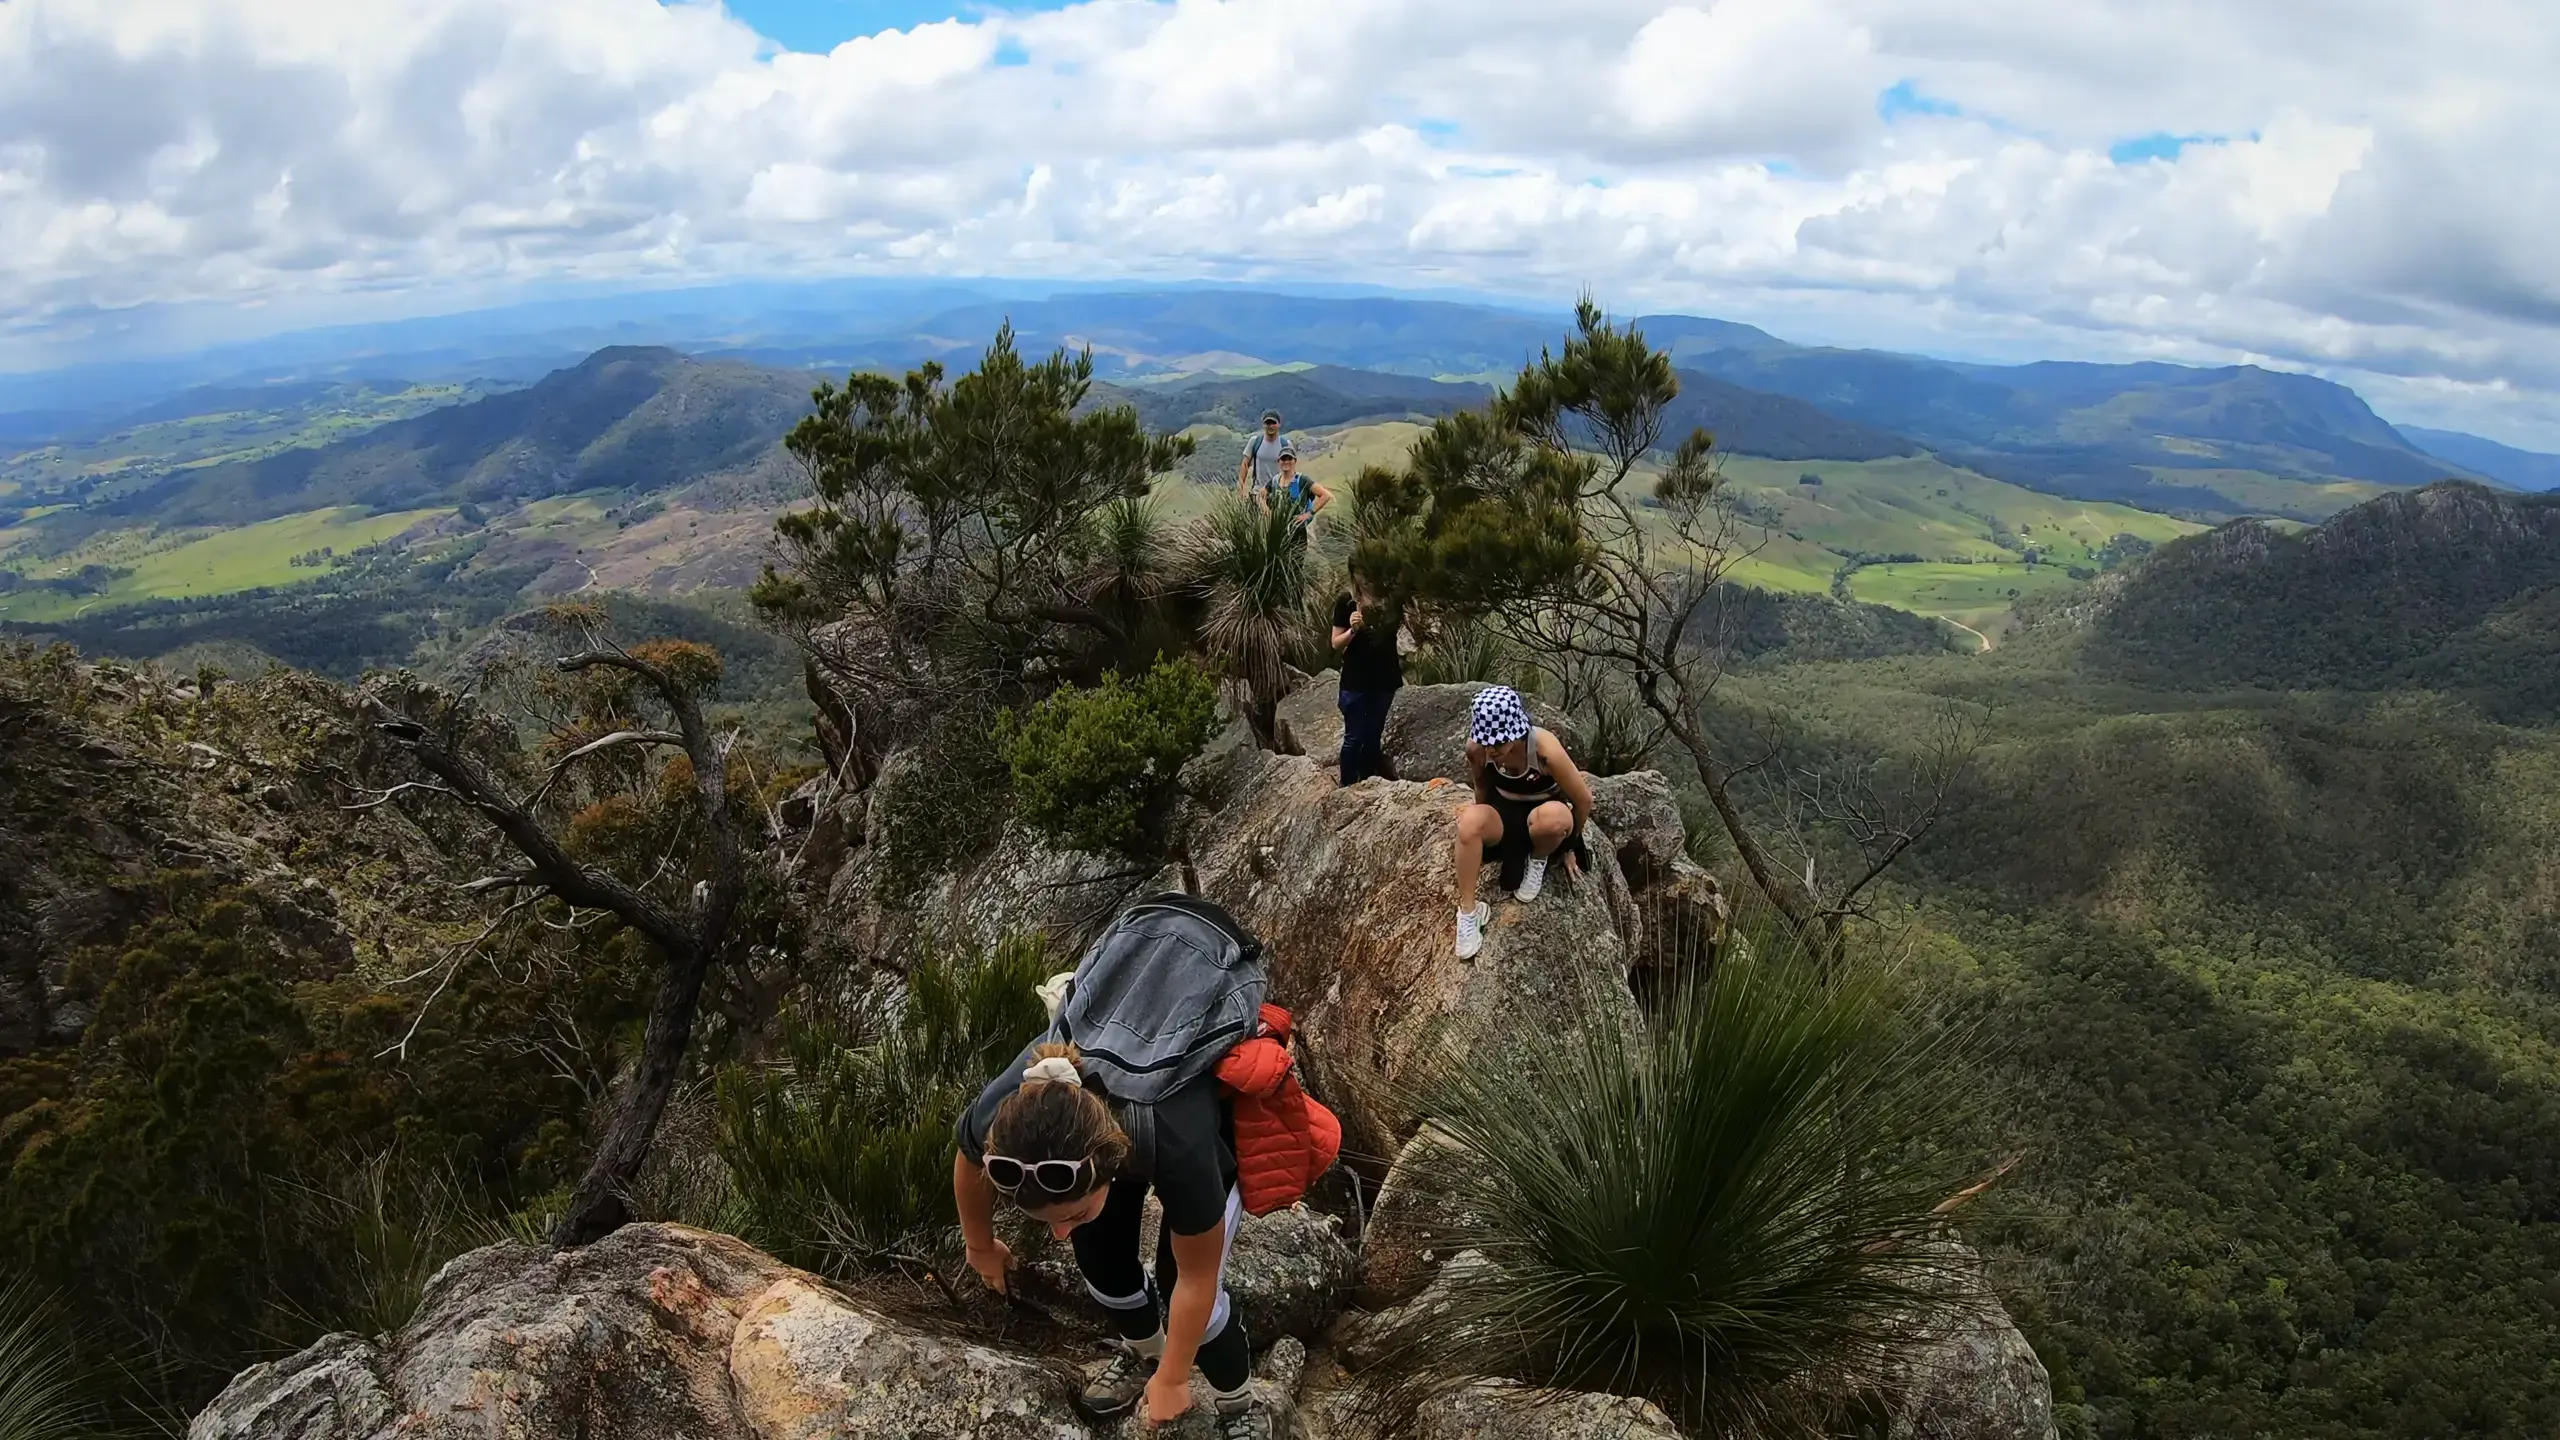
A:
(1297, 495)
(1531, 805)
(1260, 468)
(1160, 1058)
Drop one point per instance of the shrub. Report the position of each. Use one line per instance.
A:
(1093, 768)
(948, 804)
(1725, 1214)
(840, 1152)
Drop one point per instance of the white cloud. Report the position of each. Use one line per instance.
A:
(2372, 189)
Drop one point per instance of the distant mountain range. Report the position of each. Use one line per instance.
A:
(2521, 468)
(2209, 443)
(2455, 587)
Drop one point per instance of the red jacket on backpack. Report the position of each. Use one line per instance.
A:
(1284, 1139)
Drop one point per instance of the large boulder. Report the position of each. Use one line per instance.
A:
(656, 1331)
(1677, 915)
(1426, 734)
(1414, 1226)
(1289, 1274)
(1349, 888)
(1968, 1374)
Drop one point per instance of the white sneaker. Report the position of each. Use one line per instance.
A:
(1533, 878)
(1471, 929)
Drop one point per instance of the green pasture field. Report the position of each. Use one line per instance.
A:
(228, 561)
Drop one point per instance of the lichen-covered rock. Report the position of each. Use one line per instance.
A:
(332, 1388)
(1290, 1272)
(1413, 1227)
(1276, 1378)
(1335, 1406)
(805, 1365)
(656, 1332)
(1349, 889)
(1968, 1373)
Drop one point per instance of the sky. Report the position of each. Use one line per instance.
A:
(2364, 188)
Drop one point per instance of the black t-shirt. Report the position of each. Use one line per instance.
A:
(1370, 661)
(1195, 1161)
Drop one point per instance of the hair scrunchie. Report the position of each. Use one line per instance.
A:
(1057, 1068)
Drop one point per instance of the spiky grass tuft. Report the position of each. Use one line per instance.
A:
(1725, 1214)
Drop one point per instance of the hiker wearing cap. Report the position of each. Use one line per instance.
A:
(1260, 468)
(1294, 493)
(1162, 1071)
(1531, 804)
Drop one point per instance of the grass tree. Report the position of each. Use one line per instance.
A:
(1727, 1211)
(1252, 573)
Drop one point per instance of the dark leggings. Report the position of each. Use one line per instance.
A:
(1107, 1256)
(1364, 729)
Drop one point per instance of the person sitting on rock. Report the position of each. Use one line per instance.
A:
(1531, 804)
(1045, 1135)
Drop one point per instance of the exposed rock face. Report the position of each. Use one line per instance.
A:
(1288, 1274)
(1969, 1374)
(1412, 1228)
(1426, 734)
(113, 776)
(655, 1331)
(1349, 888)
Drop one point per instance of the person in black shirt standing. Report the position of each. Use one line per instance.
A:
(1364, 632)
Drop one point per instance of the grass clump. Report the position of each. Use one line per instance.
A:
(1727, 1214)
(1093, 768)
(40, 1389)
(839, 1150)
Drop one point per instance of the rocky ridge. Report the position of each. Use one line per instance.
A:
(665, 1331)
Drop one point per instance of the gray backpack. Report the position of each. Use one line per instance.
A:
(1157, 1001)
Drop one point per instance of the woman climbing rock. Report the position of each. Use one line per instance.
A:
(1121, 1097)
(1531, 805)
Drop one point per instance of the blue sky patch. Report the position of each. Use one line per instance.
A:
(818, 26)
(1010, 52)
(1903, 98)
(2158, 145)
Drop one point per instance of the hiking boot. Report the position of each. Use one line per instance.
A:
(1114, 1390)
(1533, 878)
(1471, 925)
(1249, 1423)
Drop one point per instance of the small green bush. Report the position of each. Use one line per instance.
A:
(949, 805)
(1725, 1213)
(1092, 768)
(839, 1154)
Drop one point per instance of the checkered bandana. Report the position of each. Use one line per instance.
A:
(1498, 717)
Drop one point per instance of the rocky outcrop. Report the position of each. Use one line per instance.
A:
(1289, 1273)
(1426, 734)
(1349, 889)
(1968, 1373)
(113, 778)
(654, 1331)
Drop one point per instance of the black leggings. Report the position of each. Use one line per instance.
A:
(1107, 1256)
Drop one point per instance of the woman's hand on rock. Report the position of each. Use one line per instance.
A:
(991, 1261)
(1168, 1396)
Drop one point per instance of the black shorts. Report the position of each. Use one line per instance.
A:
(1511, 852)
